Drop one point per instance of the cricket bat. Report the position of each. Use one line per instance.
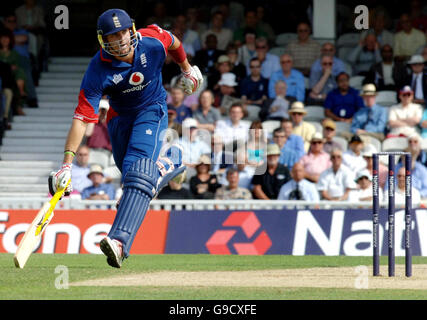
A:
(36, 229)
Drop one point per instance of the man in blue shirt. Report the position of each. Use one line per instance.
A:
(337, 66)
(98, 190)
(293, 141)
(182, 111)
(343, 102)
(269, 62)
(293, 78)
(127, 69)
(288, 156)
(371, 120)
(254, 88)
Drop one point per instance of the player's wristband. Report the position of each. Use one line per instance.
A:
(178, 55)
(70, 152)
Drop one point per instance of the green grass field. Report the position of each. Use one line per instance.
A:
(37, 279)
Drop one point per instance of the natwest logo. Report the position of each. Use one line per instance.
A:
(249, 223)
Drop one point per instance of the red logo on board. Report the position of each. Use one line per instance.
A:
(249, 223)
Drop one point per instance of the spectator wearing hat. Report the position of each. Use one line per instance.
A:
(293, 78)
(404, 117)
(365, 55)
(329, 131)
(288, 156)
(299, 188)
(343, 102)
(400, 194)
(371, 119)
(233, 129)
(98, 190)
(325, 83)
(352, 157)
(408, 40)
(81, 169)
(293, 141)
(301, 127)
(177, 104)
(207, 57)
(204, 185)
(206, 114)
(226, 95)
(193, 144)
(232, 191)
(367, 153)
(364, 190)
(254, 88)
(316, 160)
(269, 62)
(304, 50)
(386, 74)
(175, 189)
(336, 182)
(417, 79)
(223, 65)
(277, 108)
(267, 184)
(224, 35)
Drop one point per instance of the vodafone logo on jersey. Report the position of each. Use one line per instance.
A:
(136, 78)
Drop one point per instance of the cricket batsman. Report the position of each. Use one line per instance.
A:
(127, 68)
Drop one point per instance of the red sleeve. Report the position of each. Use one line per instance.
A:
(154, 31)
(85, 111)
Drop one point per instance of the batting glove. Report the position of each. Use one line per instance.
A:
(192, 80)
(60, 178)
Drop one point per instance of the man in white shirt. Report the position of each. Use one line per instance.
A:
(407, 41)
(405, 116)
(224, 35)
(233, 129)
(399, 196)
(298, 188)
(364, 192)
(192, 144)
(353, 158)
(336, 182)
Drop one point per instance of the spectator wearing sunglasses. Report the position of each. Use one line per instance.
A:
(269, 62)
(293, 78)
(321, 86)
(337, 66)
(316, 160)
(405, 116)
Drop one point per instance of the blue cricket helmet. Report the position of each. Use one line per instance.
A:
(112, 21)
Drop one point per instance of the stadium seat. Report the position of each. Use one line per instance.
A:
(350, 39)
(342, 126)
(348, 68)
(307, 82)
(342, 142)
(314, 113)
(317, 125)
(386, 98)
(99, 157)
(344, 52)
(270, 125)
(111, 161)
(424, 144)
(375, 142)
(356, 82)
(247, 122)
(253, 112)
(395, 144)
(114, 173)
(284, 38)
(278, 51)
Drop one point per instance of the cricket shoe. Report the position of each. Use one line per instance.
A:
(113, 249)
(170, 167)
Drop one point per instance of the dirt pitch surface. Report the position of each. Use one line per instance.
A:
(343, 277)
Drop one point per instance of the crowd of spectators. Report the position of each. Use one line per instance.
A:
(250, 80)
(24, 49)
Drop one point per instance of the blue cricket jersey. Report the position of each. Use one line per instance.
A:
(130, 87)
